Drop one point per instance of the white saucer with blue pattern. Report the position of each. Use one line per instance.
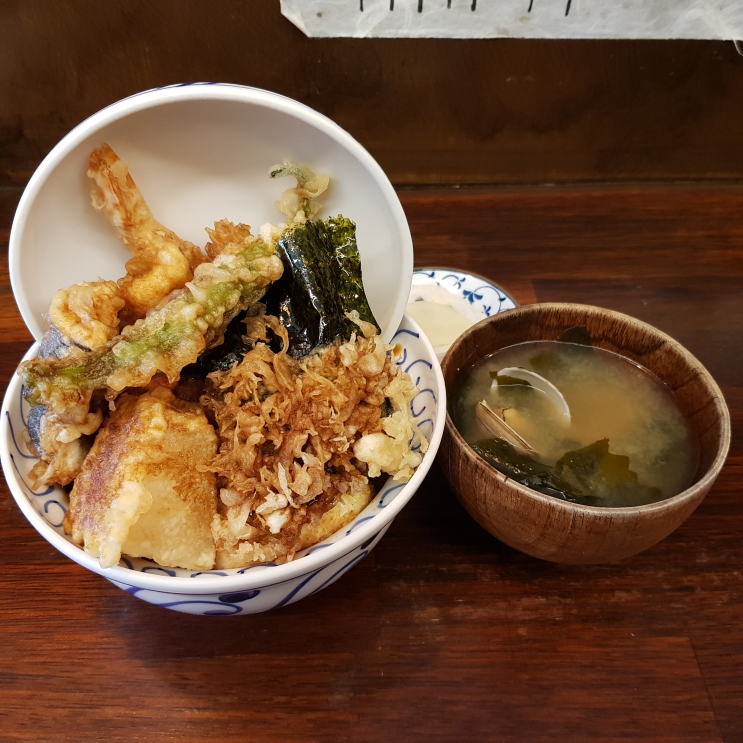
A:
(472, 296)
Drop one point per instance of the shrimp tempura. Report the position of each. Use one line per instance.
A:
(161, 261)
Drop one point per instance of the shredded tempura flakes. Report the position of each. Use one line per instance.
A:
(298, 440)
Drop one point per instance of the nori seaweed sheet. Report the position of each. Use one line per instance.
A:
(321, 282)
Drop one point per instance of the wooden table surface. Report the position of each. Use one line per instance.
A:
(442, 633)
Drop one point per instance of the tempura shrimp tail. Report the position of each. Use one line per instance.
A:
(161, 261)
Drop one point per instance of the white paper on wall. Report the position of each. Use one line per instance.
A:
(550, 19)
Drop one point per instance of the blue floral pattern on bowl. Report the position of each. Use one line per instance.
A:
(484, 296)
(245, 590)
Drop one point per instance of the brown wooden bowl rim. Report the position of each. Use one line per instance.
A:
(700, 486)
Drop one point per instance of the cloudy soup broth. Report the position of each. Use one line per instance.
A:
(616, 439)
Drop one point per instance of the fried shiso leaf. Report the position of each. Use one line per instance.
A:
(320, 285)
(166, 340)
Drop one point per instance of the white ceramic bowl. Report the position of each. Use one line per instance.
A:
(201, 153)
(246, 590)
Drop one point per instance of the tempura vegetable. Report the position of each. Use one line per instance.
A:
(166, 340)
(141, 491)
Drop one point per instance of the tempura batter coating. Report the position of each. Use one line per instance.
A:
(143, 490)
(87, 313)
(61, 443)
(161, 261)
(288, 468)
(239, 544)
(229, 239)
(169, 338)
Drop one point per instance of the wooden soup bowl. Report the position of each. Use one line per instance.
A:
(553, 529)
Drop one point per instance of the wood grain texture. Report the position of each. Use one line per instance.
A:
(557, 530)
(429, 110)
(442, 633)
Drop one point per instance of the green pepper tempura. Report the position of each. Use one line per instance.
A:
(166, 340)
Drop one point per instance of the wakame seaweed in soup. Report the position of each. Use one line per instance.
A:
(624, 443)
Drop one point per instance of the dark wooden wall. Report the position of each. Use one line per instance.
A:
(499, 111)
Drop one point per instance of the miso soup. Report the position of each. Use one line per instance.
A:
(615, 439)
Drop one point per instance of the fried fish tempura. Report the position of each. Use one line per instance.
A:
(87, 313)
(161, 261)
(82, 318)
(141, 492)
(60, 444)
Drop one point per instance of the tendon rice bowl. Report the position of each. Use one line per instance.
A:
(203, 151)
(246, 590)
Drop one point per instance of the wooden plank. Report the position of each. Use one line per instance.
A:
(431, 111)
(442, 633)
